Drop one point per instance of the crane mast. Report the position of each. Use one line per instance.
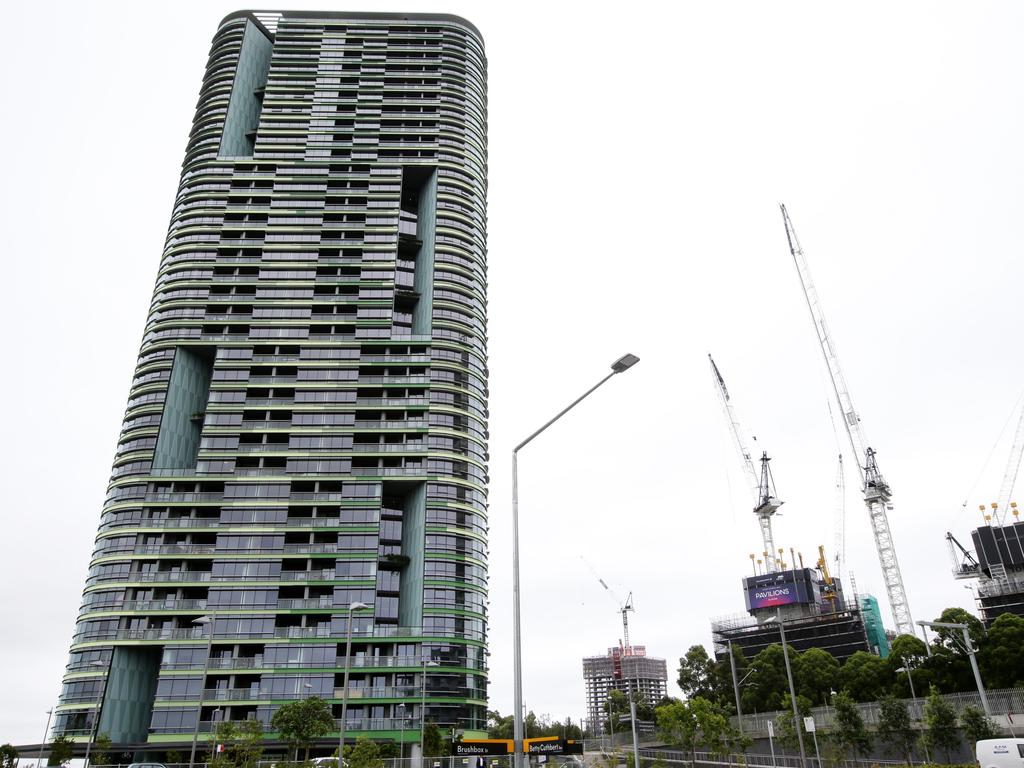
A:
(765, 504)
(876, 491)
(1010, 477)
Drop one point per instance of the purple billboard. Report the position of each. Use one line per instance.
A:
(781, 588)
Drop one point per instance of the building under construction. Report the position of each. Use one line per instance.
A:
(627, 669)
(813, 608)
(997, 562)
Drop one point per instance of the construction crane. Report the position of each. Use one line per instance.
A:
(765, 502)
(625, 607)
(840, 516)
(876, 491)
(826, 577)
(1010, 477)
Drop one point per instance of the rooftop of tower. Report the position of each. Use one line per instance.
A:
(260, 17)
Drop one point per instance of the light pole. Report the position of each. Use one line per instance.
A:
(94, 731)
(792, 689)
(970, 652)
(202, 686)
(42, 744)
(423, 701)
(632, 722)
(624, 363)
(736, 687)
(401, 739)
(907, 668)
(356, 606)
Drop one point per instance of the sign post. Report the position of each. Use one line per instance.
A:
(771, 740)
(809, 727)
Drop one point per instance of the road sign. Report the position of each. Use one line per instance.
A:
(809, 724)
(771, 729)
(472, 747)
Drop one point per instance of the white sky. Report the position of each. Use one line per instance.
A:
(638, 153)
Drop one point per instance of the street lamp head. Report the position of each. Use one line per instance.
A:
(202, 620)
(356, 606)
(625, 362)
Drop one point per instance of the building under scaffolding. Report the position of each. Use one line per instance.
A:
(815, 612)
(998, 564)
(624, 669)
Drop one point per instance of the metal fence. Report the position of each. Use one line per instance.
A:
(1003, 702)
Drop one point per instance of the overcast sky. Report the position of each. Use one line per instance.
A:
(638, 154)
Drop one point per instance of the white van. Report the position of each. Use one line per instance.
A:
(1000, 753)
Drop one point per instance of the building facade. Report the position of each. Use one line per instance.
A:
(307, 426)
(629, 670)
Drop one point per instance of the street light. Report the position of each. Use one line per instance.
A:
(624, 363)
(736, 684)
(970, 652)
(355, 606)
(792, 689)
(202, 620)
(423, 701)
(910, 678)
(401, 739)
(94, 731)
(42, 744)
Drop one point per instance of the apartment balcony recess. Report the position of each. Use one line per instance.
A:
(141, 634)
(391, 471)
(391, 402)
(175, 549)
(314, 522)
(168, 576)
(272, 379)
(363, 724)
(258, 448)
(167, 604)
(406, 424)
(283, 424)
(240, 662)
(310, 603)
(407, 662)
(389, 447)
(393, 380)
(411, 359)
(381, 630)
(162, 522)
(383, 692)
(326, 574)
(310, 548)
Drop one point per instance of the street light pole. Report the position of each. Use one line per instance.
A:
(423, 702)
(344, 682)
(970, 652)
(910, 678)
(42, 744)
(624, 363)
(792, 689)
(202, 686)
(401, 739)
(736, 690)
(94, 730)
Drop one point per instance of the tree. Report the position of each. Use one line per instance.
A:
(8, 756)
(1000, 659)
(850, 733)
(300, 723)
(616, 704)
(894, 727)
(865, 676)
(100, 754)
(976, 725)
(242, 741)
(363, 754)
(816, 674)
(786, 729)
(433, 742)
(499, 727)
(767, 684)
(62, 749)
(696, 673)
(940, 724)
(677, 725)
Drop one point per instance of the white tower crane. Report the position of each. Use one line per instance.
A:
(876, 490)
(625, 607)
(765, 503)
(1010, 478)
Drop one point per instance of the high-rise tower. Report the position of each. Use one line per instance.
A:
(307, 425)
